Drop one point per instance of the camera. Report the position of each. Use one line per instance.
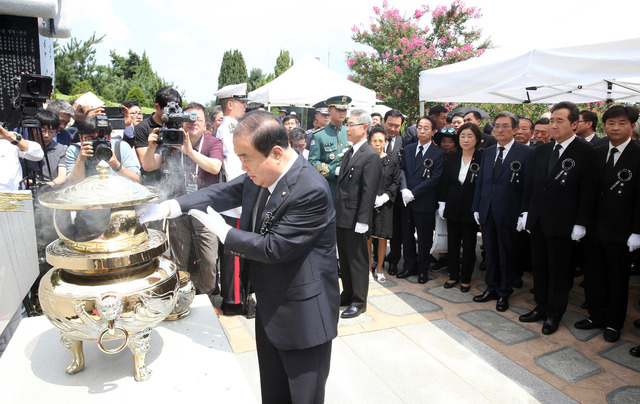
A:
(35, 88)
(101, 146)
(173, 117)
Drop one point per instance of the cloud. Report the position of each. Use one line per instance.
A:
(175, 37)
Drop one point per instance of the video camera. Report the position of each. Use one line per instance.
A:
(101, 146)
(173, 117)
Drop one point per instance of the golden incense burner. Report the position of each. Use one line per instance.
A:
(109, 282)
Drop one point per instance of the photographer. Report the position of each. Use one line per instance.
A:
(201, 162)
(12, 148)
(150, 164)
(52, 166)
(95, 132)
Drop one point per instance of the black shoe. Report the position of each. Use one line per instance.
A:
(465, 289)
(636, 323)
(439, 265)
(423, 278)
(517, 284)
(393, 269)
(635, 351)
(502, 304)
(229, 309)
(485, 297)
(449, 284)
(587, 324)
(611, 334)
(353, 311)
(550, 326)
(405, 274)
(532, 316)
(584, 305)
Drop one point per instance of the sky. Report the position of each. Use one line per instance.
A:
(185, 40)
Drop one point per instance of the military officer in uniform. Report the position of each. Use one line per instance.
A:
(328, 145)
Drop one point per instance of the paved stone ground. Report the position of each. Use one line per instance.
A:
(458, 347)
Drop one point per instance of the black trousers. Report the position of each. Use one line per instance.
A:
(354, 266)
(231, 286)
(500, 255)
(395, 244)
(463, 235)
(551, 262)
(291, 376)
(423, 223)
(606, 281)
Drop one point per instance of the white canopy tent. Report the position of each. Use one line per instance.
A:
(586, 73)
(307, 82)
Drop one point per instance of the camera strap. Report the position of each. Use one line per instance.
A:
(117, 150)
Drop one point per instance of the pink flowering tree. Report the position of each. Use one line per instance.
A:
(403, 46)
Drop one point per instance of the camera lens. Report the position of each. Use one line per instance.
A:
(103, 152)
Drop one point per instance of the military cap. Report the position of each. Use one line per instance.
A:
(283, 110)
(237, 91)
(339, 102)
(321, 107)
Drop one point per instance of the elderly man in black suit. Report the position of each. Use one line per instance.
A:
(287, 240)
(615, 230)
(420, 170)
(358, 178)
(496, 205)
(559, 200)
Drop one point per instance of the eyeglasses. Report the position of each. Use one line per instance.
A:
(351, 125)
(448, 130)
(49, 131)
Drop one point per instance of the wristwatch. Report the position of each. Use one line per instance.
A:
(18, 138)
(117, 169)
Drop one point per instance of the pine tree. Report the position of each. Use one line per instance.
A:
(283, 63)
(233, 69)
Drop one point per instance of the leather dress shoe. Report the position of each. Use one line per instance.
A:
(550, 326)
(465, 289)
(232, 309)
(449, 284)
(532, 316)
(502, 304)
(635, 351)
(587, 324)
(405, 274)
(611, 334)
(485, 297)
(393, 269)
(353, 311)
(423, 278)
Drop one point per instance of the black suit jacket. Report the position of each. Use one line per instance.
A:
(413, 178)
(500, 195)
(486, 141)
(357, 188)
(292, 267)
(410, 135)
(397, 145)
(618, 213)
(557, 206)
(459, 197)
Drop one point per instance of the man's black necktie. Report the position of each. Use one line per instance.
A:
(418, 156)
(390, 146)
(346, 158)
(555, 156)
(608, 167)
(262, 201)
(498, 163)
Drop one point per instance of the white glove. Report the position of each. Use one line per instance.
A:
(476, 216)
(361, 228)
(150, 212)
(441, 206)
(381, 200)
(407, 196)
(633, 242)
(522, 221)
(337, 171)
(212, 221)
(578, 232)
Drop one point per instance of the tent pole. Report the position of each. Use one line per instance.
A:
(421, 108)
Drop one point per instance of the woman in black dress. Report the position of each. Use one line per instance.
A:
(386, 195)
(458, 182)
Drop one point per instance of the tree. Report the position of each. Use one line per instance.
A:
(403, 47)
(255, 78)
(283, 63)
(80, 88)
(136, 94)
(233, 69)
(75, 62)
